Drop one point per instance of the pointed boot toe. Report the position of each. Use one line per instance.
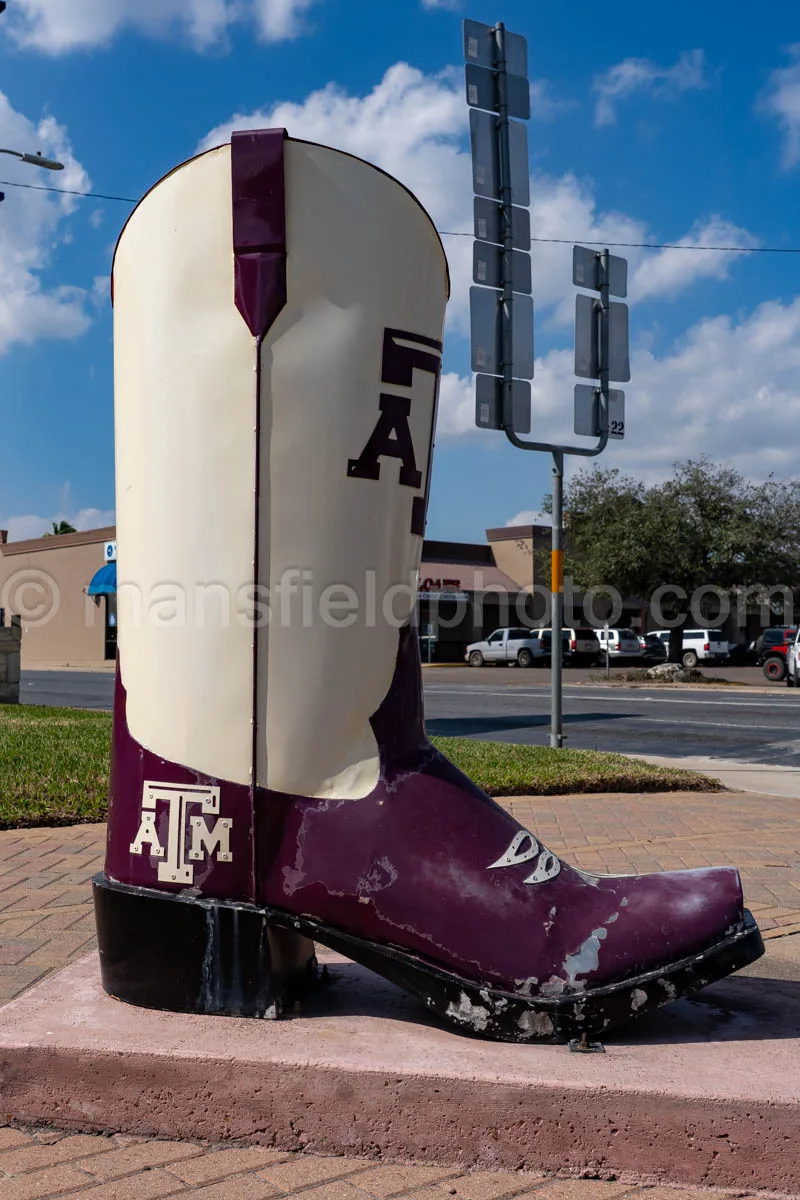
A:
(518, 945)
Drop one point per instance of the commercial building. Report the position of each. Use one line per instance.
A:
(47, 583)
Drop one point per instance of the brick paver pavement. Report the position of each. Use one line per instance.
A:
(46, 921)
(40, 1164)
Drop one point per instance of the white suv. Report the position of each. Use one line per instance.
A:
(793, 662)
(621, 643)
(699, 645)
(580, 645)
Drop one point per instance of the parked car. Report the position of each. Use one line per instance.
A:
(621, 643)
(652, 649)
(776, 635)
(519, 646)
(742, 654)
(793, 662)
(545, 639)
(699, 645)
(774, 658)
(583, 644)
(525, 647)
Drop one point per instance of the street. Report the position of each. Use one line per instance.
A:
(73, 689)
(760, 728)
(514, 706)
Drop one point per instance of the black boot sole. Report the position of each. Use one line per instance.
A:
(510, 1017)
(188, 954)
(195, 955)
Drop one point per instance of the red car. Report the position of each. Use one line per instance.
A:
(774, 661)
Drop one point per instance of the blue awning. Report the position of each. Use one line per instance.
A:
(104, 581)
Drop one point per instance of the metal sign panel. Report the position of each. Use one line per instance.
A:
(489, 223)
(619, 364)
(482, 92)
(485, 306)
(489, 395)
(587, 411)
(484, 313)
(480, 46)
(586, 271)
(487, 267)
(587, 340)
(486, 157)
(587, 352)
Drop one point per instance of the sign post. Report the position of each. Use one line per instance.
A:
(501, 307)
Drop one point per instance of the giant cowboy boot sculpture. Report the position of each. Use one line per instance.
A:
(278, 322)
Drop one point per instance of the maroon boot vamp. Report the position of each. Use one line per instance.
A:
(430, 864)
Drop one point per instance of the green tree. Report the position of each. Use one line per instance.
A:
(707, 527)
(60, 527)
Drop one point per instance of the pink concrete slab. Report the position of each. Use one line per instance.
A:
(707, 1091)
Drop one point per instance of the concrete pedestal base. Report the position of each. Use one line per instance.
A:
(706, 1091)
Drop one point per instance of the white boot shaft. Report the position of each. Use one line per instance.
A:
(238, 485)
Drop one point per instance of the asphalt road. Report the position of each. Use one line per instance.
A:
(514, 706)
(74, 689)
(762, 727)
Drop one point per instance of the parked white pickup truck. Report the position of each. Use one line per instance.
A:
(521, 646)
(793, 662)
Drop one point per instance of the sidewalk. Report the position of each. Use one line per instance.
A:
(740, 776)
(46, 921)
(45, 1164)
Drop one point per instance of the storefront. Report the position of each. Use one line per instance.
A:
(67, 610)
(463, 596)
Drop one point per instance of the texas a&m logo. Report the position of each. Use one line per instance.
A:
(203, 839)
(391, 437)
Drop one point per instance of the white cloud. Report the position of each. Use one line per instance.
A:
(101, 291)
(670, 271)
(410, 124)
(30, 526)
(56, 27)
(530, 516)
(641, 74)
(451, 4)
(782, 100)
(279, 20)
(31, 226)
(456, 414)
(566, 208)
(544, 105)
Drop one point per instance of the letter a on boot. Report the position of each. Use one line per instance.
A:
(278, 324)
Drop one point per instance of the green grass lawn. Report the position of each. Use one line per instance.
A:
(54, 768)
(53, 765)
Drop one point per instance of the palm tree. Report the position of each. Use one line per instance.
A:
(60, 527)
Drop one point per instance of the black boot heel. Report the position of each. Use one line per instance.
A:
(191, 954)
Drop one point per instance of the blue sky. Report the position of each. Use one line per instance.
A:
(643, 129)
